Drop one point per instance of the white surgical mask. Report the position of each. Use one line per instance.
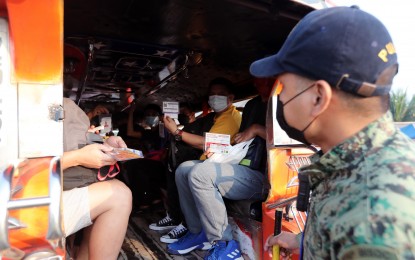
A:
(218, 103)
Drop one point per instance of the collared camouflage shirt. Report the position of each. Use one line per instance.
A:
(363, 197)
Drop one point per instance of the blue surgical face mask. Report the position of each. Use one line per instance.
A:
(152, 121)
(218, 103)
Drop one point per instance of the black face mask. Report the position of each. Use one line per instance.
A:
(183, 119)
(291, 131)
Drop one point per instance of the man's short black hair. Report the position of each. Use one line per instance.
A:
(187, 105)
(223, 82)
(154, 107)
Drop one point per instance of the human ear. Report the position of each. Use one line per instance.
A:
(322, 97)
(231, 97)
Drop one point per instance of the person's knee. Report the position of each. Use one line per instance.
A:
(121, 195)
(200, 174)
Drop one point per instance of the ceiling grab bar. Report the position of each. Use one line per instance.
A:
(164, 81)
(162, 84)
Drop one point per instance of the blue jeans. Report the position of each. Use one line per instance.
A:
(202, 185)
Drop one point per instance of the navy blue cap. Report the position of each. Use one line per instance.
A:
(344, 46)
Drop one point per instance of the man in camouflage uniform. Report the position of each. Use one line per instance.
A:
(335, 72)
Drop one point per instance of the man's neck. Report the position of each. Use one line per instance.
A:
(335, 132)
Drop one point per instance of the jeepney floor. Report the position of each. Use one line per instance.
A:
(143, 243)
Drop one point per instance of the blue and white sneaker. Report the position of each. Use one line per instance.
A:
(188, 243)
(223, 251)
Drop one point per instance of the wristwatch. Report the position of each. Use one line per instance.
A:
(178, 135)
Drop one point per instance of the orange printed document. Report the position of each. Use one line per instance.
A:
(124, 154)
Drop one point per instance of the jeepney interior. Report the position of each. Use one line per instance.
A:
(161, 50)
(168, 50)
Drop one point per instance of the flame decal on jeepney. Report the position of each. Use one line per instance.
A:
(293, 182)
(295, 163)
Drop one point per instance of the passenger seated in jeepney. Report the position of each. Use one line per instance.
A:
(97, 111)
(87, 203)
(188, 145)
(143, 125)
(177, 153)
(94, 117)
(146, 177)
(202, 186)
(187, 114)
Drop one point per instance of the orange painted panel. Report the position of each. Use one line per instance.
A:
(283, 179)
(36, 30)
(280, 175)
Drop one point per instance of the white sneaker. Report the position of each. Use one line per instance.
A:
(165, 223)
(174, 234)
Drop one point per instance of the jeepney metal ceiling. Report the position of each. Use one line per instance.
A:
(134, 40)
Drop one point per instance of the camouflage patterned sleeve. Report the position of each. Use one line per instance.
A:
(363, 197)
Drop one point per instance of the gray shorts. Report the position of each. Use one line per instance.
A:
(76, 213)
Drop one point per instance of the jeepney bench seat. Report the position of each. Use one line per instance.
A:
(244, 208)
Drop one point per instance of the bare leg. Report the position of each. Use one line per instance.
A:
(110, 206)
(83, 250)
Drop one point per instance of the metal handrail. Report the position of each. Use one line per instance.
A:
(53, 200)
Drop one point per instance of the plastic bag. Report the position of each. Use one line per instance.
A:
(236, 153)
